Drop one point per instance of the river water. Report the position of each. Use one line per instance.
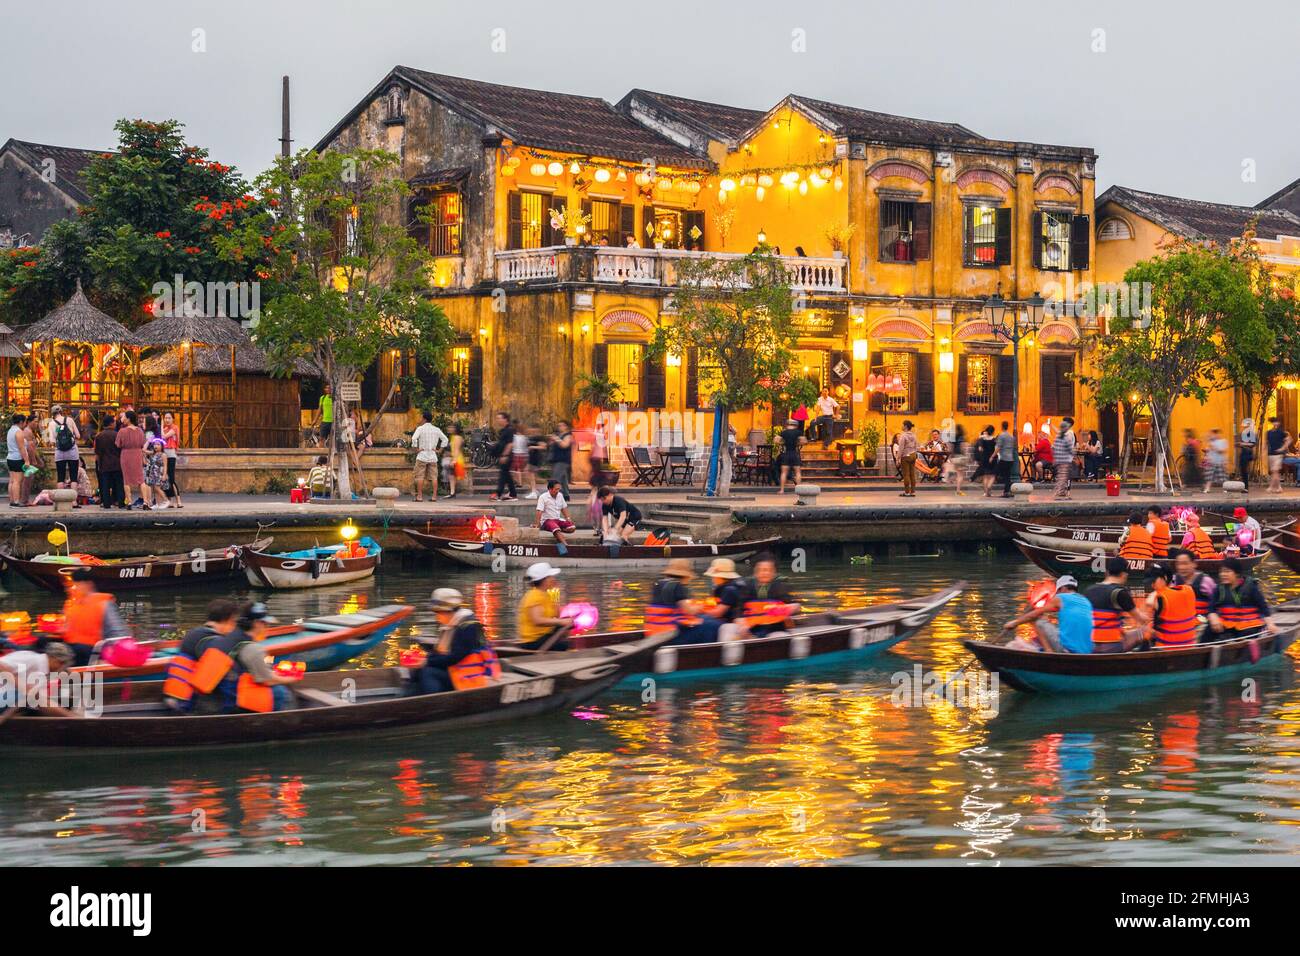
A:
(813, 764)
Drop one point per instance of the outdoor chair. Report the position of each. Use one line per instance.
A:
(647, 472)
(678, 467)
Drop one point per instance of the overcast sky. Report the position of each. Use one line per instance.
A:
(1174, 96)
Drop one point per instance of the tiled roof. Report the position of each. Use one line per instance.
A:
(564, 122)
(726, 122)
(1195, 219)
(68, 163)
(888, 128)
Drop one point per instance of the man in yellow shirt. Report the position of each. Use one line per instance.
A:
(540, 626)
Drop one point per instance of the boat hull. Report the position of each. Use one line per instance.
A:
(133, 574)
(288, 572)
(1087, 537)
(1091, 564)
(483, 554)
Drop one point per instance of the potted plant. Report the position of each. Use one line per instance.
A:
(573, 223)
(839, 237)
(871, 438)
(596, 394)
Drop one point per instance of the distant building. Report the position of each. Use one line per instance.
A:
(39, 185)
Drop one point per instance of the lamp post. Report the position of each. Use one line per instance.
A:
(1018, 326)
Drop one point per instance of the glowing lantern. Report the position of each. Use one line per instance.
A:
(803, 187)
(727, 185)
(294, 670)
(508, 171)
(584, 615)
(57, 537)
(602, 175)
(759, 193)
(839, 184)
(825, 172)
(642, 179)
(575, 167)
(694, 187)
(765, 181)
(537, 169)
(555, 168)
(485, 526)
(126, 652)
(412, 657)
(859, 350)
(348, 531)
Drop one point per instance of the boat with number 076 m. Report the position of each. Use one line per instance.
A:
(201, 565)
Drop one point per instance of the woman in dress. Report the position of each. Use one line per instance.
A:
(155, 475)
(171, 436)
(986, 460)
(455, 459)
(1216, 460)
(130, 441)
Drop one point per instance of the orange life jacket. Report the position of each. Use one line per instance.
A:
(1201, 545)
(1160, 537)
(1107, 620)
(1175, 623)
(179, 679)
(250, 695)
(478, 669)
(662, 617)
(1137, 545)
(653, 541)
(1237, 616)
(353, 550)
(212, 667)
(763, 612)
(84, 619)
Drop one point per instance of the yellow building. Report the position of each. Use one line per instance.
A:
(1132, 225)
(894, 231)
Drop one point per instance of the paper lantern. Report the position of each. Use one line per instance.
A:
(759, 193)
(602, 175)
(555, 168)
(584, 615)
(513, 161)
(126, 652)
(537, 169)
(765, 181)
(575, 167)
(294, 670)
(694, 187)
(839, 184)
(825, 172)
(57, 537)
(412, 657)
(727, 185)
(642, 179)
(665, 184)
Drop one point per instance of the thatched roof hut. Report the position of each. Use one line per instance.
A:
(78, 321)
(190, 329)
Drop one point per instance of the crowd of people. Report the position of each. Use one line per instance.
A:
(135, 457)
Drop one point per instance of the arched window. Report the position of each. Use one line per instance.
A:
(1114, 228)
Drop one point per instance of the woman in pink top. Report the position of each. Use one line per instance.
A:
(171, 436)
(130, 440)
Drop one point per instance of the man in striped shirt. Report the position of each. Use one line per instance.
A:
(1063, 459)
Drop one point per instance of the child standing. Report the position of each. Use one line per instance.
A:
(155, 475)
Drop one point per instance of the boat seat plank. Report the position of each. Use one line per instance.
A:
(318, 696)
(344, 620)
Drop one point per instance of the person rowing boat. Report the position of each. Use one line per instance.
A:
(769, 605)
(461, 656)
(1072, 632)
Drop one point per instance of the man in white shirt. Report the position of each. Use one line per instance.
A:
(21, 670)
(427, 441)
(826, 408)
(553, 512)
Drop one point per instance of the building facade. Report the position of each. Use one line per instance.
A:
(39, 185)
(894, 233)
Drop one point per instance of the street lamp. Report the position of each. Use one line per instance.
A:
(1018, 327)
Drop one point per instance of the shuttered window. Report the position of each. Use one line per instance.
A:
(467, 371)
(528, 224)
(1056, 384)
(445, 227)
(987, 236)
(904, 364)
(1062, 241)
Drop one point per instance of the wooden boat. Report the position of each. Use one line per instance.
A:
(370, 701)
(131, 574)
(1072, 673)
(480, 554)
(311, 567)
(322, 643)
(1086, 537)
(1288, 554)
(1091, 564)
(859, 633)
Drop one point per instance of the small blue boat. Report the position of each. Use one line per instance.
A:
(312, 567)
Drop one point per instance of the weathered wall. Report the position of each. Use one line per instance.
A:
(28, 204)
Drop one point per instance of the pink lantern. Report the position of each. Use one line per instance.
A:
(126, 652)
(584, 615)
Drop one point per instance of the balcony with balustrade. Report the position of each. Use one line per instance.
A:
(648, 267)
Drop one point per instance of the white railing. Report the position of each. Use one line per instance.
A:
(628, 265)
(524, 264)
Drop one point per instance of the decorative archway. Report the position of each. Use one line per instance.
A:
(626, 322)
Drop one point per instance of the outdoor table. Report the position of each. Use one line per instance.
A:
(935, 460)
(676, 466)
(1026, 465)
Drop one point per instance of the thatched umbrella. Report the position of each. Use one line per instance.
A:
(75, 322)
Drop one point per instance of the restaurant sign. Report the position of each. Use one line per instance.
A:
(820, 323)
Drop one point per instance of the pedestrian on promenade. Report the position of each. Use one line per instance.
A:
(171, 436)
(1276, 441)
(1063, 459)
(1216, 460)
(1248, 441)
(130, 442)
(959, 460)
(561, 453)
(32, 455)
(1005, 452)
(455, 459)
(428, 440)
(1192, 475)
(502, 452)
(108, 465)
(536, 451)
(63, 434)
(155, 475)
(986, 457)
(826, 409)
(791, 458)
(905, 450)
(325, 414)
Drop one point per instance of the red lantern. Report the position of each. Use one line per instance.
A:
(486, 526)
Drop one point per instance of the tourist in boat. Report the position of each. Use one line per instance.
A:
(769, 605)
(1158, 528)
(1239, 607)
(727, 606)
(178, 683)
(540, 626)
(1136, 544)
(26, 668)
(1072, 632)
(553, 512)
(1172, 610)
(792, 437)
(671, 606)
(1203, 586)
(1249, 533)
(620, 519)
(1196, 539)
(90, 616)
(461, 656)
(236, 668)
(1112, 602)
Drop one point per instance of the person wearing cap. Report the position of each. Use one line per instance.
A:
(249, 682)
(1196, 540)
(1249, 533)
(728, 602)
(540, 626)
(671, 607)
(22, 669)
(90, 616)
(1072, 632)
(461, 656)
(1172, 610)
(1239, 606)
(179, 680)
(1112, 604)
(769, 605)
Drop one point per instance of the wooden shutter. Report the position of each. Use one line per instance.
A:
(963, 383)
(694, 219)
(591, 222)
(923, 364)
(1005, 379)
(416, 227)
(551, 235)
(1056, 386)
(922, 218)
(643, 238)
(654, 383)
(1002, 255)
(1080, 241)
(600, 359)
(877, 400)
(1036, 238)
(692, 389)
(474, 379)
(514, 220)
(427, 374)
(626, 223)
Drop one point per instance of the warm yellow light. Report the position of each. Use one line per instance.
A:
(1028, 429)
(762, 236)
(1029, 343)
(727, 185)
(57, 537)
(482, 331)
(575, 167)
(674, 361)
(555, 169)
(1133, 397)
(561, 329)
(348, 531)
(537, 169)
(602, 175)
(585, 329)
(859, 350)
(803, 188)
(945, 362)
(759, 193)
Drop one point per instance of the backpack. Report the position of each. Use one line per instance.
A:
(63, 439)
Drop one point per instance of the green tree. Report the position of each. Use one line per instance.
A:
(351, 283)
(737, 314)
(156, 210)
(1202, 305)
